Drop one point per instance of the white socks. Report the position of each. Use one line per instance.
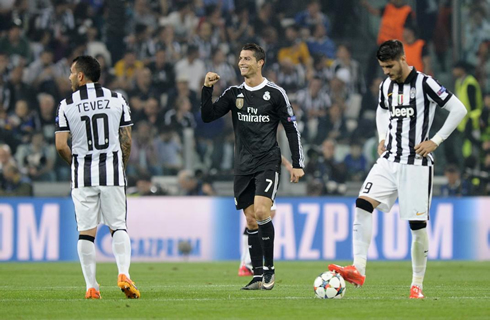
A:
(86, 253)
(420, 248)
(361, 238)
(121, 248)
(245, 257)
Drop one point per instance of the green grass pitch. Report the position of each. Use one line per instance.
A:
(454, 290)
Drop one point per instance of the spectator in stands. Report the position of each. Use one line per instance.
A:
(485, 124)
(312, 16)
(106, 72)
(225, 70)
(192, 68)
(320, 43)
(47, 114)
(144, 187)
(14, 183)
(192, 186)
(40, 74)
(16, 45)
(294, 49)
(338, 89)
(125, 69)
(455, 186)
(22, 122)
(152, 113)
(239, 28)
(37, 158)
(416, 50)
(325, 168)
(183, 20)
(333, 125)
(166, 41)
(355, 163)
(162, 72)
(356, 84)
(143, 86)
(367, 114)
(5, 159)
(476, 30)
(16, 89)
(180, 116)
(143, 158)
(482, 72)
(142, 43)
(265, 18)
(182, 90)
(314, 101)
(144, 15)
(168, 147)
(468, 90)
(206, 39)
(291, 77)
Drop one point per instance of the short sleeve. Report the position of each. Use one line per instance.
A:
(436, 92)
(126, 113)
(61, 122)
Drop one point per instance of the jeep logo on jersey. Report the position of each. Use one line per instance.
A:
(402, 112)
(240, 101)
(267, 95)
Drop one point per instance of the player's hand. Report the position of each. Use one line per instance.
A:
(381, 147)
(425, 148)
(210, 79)
(296, 174)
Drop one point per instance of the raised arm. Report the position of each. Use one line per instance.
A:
(211, 111)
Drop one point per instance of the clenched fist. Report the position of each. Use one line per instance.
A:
(210, 79)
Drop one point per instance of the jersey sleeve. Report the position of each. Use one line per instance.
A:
(126, 113)
(288, 121)
(61, 121)
(436, 92)
(382, 103)
(211, 111)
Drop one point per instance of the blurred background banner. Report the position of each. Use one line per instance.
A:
(208, 229)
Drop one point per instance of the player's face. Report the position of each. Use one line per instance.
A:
(392, 69)
(248, 64)
(74, 78)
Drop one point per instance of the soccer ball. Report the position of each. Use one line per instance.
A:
(329, 285)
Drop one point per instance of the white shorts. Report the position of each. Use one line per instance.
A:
(411, 184)
(103, 204)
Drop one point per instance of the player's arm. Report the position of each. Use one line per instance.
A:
(125, 140)
(62, 133)
(288, 121)
(382, 120)
(457, 111)
(61, 141)
(211, 111)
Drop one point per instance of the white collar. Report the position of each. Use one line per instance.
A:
(258, 87)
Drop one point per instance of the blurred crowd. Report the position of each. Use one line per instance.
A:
(156, 53)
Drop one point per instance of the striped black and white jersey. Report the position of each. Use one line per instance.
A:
(411, 107)
(93, 115)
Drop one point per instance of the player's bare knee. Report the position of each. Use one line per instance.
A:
(262, 213)
(364, 204)
(417, 225)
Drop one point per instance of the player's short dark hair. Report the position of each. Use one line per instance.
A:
(258, 51)
(390, 50)
(89, 66)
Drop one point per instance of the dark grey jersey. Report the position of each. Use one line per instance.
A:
(256, 113)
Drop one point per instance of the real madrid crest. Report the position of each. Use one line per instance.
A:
(267, 95)
(240, 101)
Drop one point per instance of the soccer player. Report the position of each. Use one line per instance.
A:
(407, 103)
(257, 106)
(245, 268)
(99, 122)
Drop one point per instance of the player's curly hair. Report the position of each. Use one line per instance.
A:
(89, 66)
(390, 50)
(258, 51)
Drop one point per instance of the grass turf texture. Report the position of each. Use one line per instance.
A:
(454, 290)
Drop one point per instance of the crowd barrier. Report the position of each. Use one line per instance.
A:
(162, 228)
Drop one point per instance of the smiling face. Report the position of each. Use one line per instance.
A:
(248, 64)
